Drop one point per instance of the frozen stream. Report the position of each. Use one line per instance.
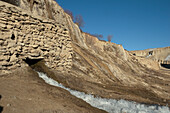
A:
(109, 105)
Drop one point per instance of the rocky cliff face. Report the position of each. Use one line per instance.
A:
(96, 67)
(50, 9)
(161, 55)
(45, 9)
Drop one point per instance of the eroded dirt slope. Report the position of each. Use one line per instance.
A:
(24, 92)
(105, 69)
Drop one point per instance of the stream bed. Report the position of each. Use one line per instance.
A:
(109, 105)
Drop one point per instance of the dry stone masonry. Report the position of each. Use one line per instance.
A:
(26, 37)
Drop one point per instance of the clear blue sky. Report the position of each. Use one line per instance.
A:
(136, 24)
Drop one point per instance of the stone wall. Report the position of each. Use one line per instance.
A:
(23, 36)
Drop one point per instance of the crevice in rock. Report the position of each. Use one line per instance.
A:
(13, 37)
(166, 66)
(17, 55)
(65, 30)
(8, 59)
(150, 52)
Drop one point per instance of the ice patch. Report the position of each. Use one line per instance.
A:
(148, 56)
(109, 105)
(167, 58)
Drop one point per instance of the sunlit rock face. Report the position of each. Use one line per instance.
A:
(161, 55)
(50, 9)
(45, 9)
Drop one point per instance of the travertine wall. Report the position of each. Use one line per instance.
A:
(23, 36)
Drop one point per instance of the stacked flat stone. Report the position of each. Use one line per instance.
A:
(23, 36)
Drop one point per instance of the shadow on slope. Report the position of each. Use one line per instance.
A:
(1, 108)
(110, 90)
(39, 66)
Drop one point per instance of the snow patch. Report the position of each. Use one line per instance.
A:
(148, 56)
(109, 105)
(167, 58)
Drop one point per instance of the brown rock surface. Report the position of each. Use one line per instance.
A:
(107, 75)
(157, 54)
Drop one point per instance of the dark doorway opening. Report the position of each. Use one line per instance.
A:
(32, 61)
(166, 66)
(1, 109)
(150, 52)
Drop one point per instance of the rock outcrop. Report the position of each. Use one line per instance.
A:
(50, 9)
(160, 55)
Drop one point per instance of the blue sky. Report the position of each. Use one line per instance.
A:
(136, 24)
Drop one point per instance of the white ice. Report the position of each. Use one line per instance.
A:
(168, 58)
(109, 105)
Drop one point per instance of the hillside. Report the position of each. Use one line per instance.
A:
(161, 55)
(39, 36)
